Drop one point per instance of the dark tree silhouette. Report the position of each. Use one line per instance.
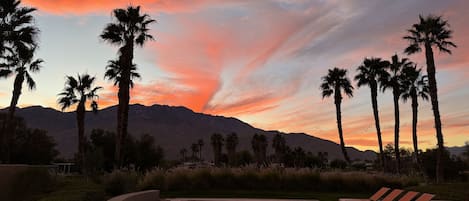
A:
(280, 145)
(259, 146)
(432, 31)
(195, 150)
(183, 153)
(335, 82)
(217, 142)
(416, 85)
(200, 142)
(231, 144)
(371, 73)
(130, 28)
(18, 39)
(78, 91)
(395, 82)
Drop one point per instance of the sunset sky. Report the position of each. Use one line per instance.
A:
(259, 61)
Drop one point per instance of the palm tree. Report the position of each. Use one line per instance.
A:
(195, 150)
(231, 144)
(416, 86)
(79, 90)
(200, 142)
(335, 82)
(18, 38)
(279, 145)
(130, 28)
(371, 73)
(395, 82)
(217, 145)
(259, 146)
(432, 31)
(183, 153)
(18, 35)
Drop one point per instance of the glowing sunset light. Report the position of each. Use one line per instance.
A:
(259, 61)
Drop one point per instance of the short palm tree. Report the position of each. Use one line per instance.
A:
(183, 153)
(195, 150)
(259, 146)
(130, 28)
(231, 144)
(371, 73)
(395, 82)
(416, 87)
(217, 142)
(336, 82)
(78, 91)
(429, 32)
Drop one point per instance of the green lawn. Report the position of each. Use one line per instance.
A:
(79, 188)
(74, 188)
(452, 191)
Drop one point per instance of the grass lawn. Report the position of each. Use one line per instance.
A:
(78, 188)
(452, 191)
(74, 188)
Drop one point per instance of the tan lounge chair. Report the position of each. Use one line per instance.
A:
(374, 197)
(393, 195)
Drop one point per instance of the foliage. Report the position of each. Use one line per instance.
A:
(30, 183)
(267, 179)
(452, 169)
(120, 182)
(142, 154)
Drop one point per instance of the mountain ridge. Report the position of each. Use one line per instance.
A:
(173, 127)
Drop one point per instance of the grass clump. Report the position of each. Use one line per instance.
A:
(120, 182)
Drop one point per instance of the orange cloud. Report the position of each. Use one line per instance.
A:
(78, 7)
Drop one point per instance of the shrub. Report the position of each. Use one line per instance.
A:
(154, 179)
(120, 182)
(31, 182)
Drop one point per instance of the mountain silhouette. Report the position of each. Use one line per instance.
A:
(173, 127)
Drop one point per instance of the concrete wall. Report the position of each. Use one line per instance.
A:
(150, 195)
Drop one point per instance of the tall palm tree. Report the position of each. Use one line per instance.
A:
(259, 146)
(183, 153)
(79, 90)
(231, 144)
(395, 82)
(335, 82)
(416, 86)
(130, 28)
(217, 142)
(279, 144)
(200, 142)
(18, 40)
(432, 31)
(371, 73)
(195, 150)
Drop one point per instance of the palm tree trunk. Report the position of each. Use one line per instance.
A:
(396, 129)
(436, 111)
(125, 61)
(414, 126)
(339, 126)
(9, 126)
(81, 132)
(374, 103)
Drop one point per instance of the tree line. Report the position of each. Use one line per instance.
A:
(404, 79)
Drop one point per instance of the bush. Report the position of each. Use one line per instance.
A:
(120, 182)
(31, 182)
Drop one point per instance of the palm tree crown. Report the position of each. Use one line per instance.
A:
(130, 26)
(18, 34)
(78, 90)
(394, 78)
(335, 81)
(431, 30)
(416, 83)
(114, 72)
(372, 72)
